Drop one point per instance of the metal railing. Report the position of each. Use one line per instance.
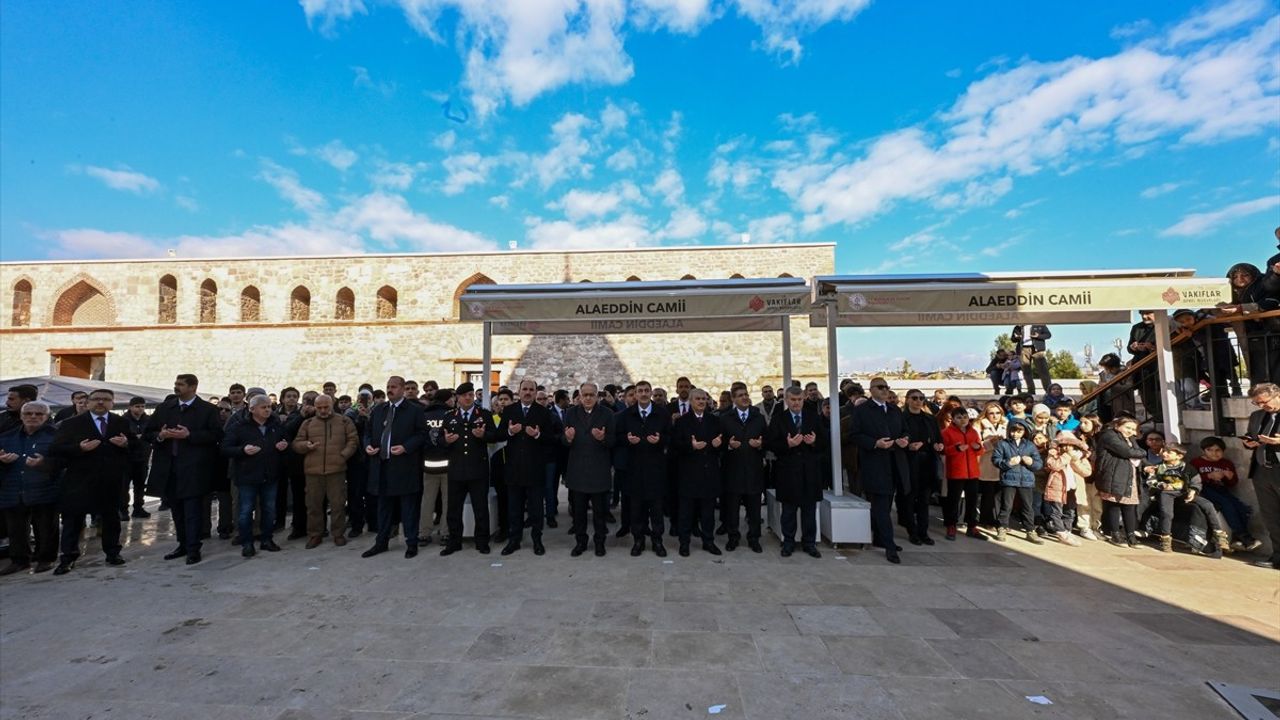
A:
(1218, 357)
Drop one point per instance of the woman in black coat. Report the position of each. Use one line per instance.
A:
(1115, 476)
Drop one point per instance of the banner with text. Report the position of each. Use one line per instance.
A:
(588, 306)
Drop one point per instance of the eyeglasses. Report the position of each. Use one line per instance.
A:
(915, 397)
(879, 387)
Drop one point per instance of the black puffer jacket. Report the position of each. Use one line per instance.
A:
(1113, 472)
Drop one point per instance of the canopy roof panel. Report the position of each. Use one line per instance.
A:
(1098, 296)
(639, 300)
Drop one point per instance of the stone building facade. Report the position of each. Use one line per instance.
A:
(304, 320)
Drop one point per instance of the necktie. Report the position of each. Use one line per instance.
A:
(102, 425)
(683, 408)
(644, 413)
(466, 417)
(795, 419)
(524, 410)
(743, 414)
(1268, 427)
(386, 432)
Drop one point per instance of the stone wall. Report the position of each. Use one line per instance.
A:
(371, 316)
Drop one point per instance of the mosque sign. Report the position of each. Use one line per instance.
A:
(599, 309)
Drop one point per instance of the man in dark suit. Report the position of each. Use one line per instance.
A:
(881, 435)
(696, 439)
(589, 435)
(530, 434)
(185, 432)
(796, 438)
(644, 429)
(94, 448)
(1263, 438)
(746, 427)
(467, 432)
(393, 441)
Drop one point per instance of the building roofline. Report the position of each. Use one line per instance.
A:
(482, 253)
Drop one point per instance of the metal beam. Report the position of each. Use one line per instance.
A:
(833, 394)
(1170, 412)
(786, 351)
(486, 401)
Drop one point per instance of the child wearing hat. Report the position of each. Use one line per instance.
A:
(1068, 467)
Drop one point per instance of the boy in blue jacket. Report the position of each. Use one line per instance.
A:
(1018, 460)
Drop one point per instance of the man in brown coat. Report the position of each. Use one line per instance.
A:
(326, 441)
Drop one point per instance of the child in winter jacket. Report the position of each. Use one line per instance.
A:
(962, 446)
(1018, 460)
(1174, 478)
(1068, 468)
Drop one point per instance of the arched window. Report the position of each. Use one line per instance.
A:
(633, 278)
(688, 277)
(344, 307)
(786, 275)
(477, 279)
(387, 302)
(208, 302)
(83, 304)
(584, 280)
(21, 303)
(250, 305)
(736, 276)
(300, 304)
(168, 310)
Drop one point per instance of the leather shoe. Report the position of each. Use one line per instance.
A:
(270, 546)
(538, 549)
(622, 532)
(193, 557)
(711, 548)
(893, 558)
(659, 549)
(551, 522)
(812, 552)
(787, 550)
(482, 548)
(375, 550)
(637, 548)
(180, 552)
(339, 541)
(123, 515)
(732, 544)
(411, 552)
(64, 568)
(499, 537)
(449, 550)
(926, 540)
(115, 560)
(141, 513)
(1273, 564)
(577, 550)
(510, 548)
(755, 546)
(247, 551)
(599, 549)
(896, 547)
(684, 550)
(355, 532)
(43, 567)
(313, 543)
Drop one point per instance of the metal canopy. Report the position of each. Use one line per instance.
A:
(680, 299)
(664, 306)
(1009, 298)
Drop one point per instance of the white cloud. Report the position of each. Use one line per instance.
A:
(1156, 191)
(1128, 30)
(287, 184)
(338, 155)
(772, 229)
(626, 231)
(1201, 223)
(124, 178)
(445, 140)
(259, 241)
(514, 52)
(671, 136)
(1216, 20)
(784, 21)
(613, 119)
(670, 186)
(501, 201)
(579, 204)
(621, 161)
(466, 170)
(364, 80)
(395, 175)
(739, 173)
(796, 123)
(565, 159)
(1035, 115)
(389, 219)
(186, 202)
(685, 224)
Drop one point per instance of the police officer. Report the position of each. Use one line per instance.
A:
(435, 465)
(467, 432)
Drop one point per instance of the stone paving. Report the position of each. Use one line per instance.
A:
(964, 630)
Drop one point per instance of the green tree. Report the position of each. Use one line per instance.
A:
(907, 372)
(1003, 342)
(1062, 365)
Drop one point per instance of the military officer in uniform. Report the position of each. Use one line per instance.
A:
(468, 430)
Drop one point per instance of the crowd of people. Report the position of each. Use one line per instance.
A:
(403, 461)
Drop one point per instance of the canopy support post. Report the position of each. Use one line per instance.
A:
(833, 395)
(1171, 413)
(488, 366)
(786, 352)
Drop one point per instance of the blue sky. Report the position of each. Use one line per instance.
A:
(920, 137)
